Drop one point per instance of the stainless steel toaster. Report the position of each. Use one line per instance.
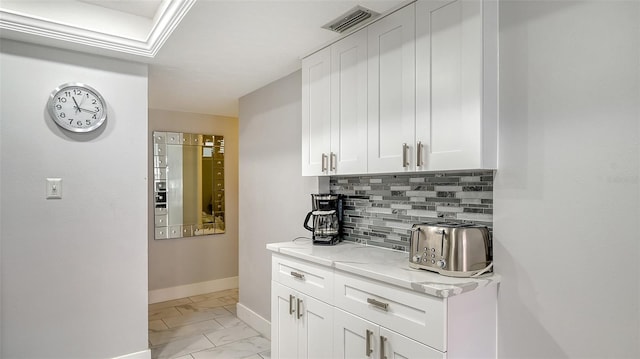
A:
(457, 250)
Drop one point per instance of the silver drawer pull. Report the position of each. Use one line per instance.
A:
(324, 163)
(298, 275)
(291, 298)
(382, 354)
(405, 158)
(368, 350)
(383, 306)
(298, 303)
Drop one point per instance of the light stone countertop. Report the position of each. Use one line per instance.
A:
(385, 265)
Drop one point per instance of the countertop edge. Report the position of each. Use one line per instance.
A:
(433, 284)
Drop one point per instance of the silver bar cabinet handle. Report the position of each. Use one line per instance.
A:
(368, 350)
(291, 298)
(382, 354)
(332, 161)
(404, 155)
(324, 162)
(405, 158)
(383, 306)
(298, 302)
(297, 275)
(419, 160)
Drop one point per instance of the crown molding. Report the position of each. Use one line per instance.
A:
(25, 27)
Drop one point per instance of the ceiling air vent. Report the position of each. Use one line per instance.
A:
(350, 19)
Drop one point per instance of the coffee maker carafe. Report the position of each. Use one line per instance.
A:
(327, 218)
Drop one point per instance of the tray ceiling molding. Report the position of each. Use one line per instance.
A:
(169, 16)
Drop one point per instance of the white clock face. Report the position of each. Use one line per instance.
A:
(77, 107)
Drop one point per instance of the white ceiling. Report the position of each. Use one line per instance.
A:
(223, 50)
(144, 8)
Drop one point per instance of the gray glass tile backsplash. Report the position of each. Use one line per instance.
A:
(380, 209)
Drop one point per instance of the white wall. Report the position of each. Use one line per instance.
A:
(74, 271)
(185, 261)
(273, 196)
(567, 192)
(566, 195)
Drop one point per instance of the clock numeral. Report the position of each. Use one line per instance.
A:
(63, 115)
(88, 122)
(58, 107)
(77, 92)
(97, 109)
(67, 93)
(70, 121)
(62, 99)
(93, 102)
(94, 117)
(79, 123)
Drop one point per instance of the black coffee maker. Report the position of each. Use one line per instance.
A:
(327, 218)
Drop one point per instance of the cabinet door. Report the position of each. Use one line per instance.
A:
(284, 325)
(449, 68)
(354, 337)
(315, 328)
(391, 115)
(316, 112)
(395, 345)
(349, 104)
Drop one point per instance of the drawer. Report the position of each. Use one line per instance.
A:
(418, 316)
(305, 277)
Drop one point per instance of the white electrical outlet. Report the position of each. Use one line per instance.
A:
(54, 188)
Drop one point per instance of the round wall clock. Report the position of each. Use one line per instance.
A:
(77, 107)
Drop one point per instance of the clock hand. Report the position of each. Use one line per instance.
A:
(85, 110)
(77, 106)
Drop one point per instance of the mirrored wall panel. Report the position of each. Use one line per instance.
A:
(188, 184)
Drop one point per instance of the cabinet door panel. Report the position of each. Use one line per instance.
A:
(284, 327)
(316, 107)
(350, 336)
(391, 115)
(316, 323)
(449, 83)
(349, 103)
(398, 346)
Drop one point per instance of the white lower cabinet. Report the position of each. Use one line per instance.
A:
(300, 325)
(321, 312)
(355, 337)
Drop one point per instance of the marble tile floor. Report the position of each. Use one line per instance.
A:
(203, 327)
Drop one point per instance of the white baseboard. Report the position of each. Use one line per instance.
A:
(254, 320)
(144, 354)
(188, 290)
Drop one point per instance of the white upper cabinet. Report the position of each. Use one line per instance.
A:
(391, 96)
(334, 108)
(415, 90)
(316, 113)
(456, 83)
(349, 105)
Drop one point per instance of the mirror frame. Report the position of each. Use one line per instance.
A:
(168, 185)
